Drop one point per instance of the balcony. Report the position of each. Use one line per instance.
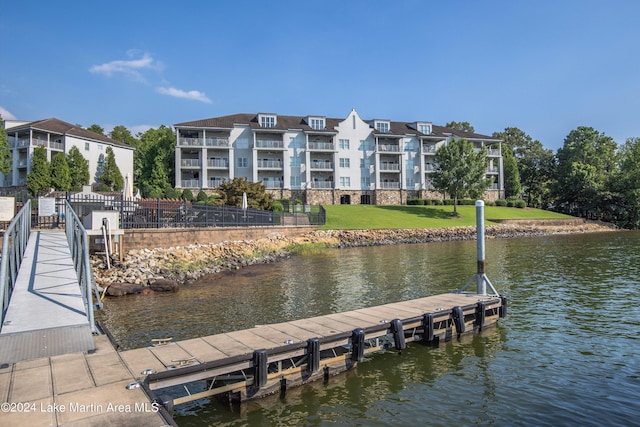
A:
(191, 142)
(270, 164)
(321, 165)
(322, 184)
(56, 145)
(389, 148)
(39, 142)
(389, 167)
(190, 183)
(190, 163)
(390, 185)
(321, 146)
(218, 163)
(272, 184)
(269, 143)
(215, 182)
(429, 148)
(217, 142)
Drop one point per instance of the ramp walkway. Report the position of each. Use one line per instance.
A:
(46, 314)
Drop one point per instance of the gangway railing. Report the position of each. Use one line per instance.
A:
(79, 247)
(14, 244)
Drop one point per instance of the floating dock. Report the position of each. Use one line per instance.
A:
(267, 359)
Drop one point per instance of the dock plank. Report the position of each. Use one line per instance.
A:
(296, 333)
(170, 354)
(31, 384)
(227, 345)
(203, 351)
(70, 373)
(253, 339)
(140, 359)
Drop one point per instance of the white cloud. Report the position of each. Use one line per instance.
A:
(179, 93)
(129, 67)
(6, 115)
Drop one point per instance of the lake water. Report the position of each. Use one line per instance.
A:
(565, 355)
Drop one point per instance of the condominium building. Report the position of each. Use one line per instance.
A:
(57, 136)
(321, 160)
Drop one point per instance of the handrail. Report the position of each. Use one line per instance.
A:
(14, 244)
(79, 246)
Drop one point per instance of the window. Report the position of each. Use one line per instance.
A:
(242, 162)
(295, 181)
(86, 146)
(382, 126)
(343, 144)
(295, 142)
(426, 129)
(268, 121)
(294, 162)
(345, 162)
(365, 163)
(317, 123)
(99, 147)
(345, 182)
(365, 182)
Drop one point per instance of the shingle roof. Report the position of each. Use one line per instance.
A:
(54, 125)
(300, 122)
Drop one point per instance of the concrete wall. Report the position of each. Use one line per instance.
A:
(171, 237)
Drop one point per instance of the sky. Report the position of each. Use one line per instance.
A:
(543, 66)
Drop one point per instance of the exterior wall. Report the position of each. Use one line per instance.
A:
(96, 151)
(354, 165)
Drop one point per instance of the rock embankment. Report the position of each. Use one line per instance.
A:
(161, 270)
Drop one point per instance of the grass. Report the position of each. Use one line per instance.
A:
(360, 217)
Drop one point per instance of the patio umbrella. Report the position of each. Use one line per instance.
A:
(127, 190)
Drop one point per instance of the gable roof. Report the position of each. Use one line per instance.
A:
(54, 125)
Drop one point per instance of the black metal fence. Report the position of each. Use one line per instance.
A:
(163, 213)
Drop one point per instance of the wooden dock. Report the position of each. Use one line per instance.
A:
(141, 386)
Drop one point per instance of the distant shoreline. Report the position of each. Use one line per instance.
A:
(153, 270)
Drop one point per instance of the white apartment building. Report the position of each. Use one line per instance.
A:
(58, 136)
(321, 160)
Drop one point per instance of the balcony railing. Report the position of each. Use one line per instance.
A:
(215, 182)
(389, 167)
(218, 163)
(321, 165)
(190, 163)
(272, 183)
(390, 148)
(270, 164)
(191, 142)
(269, 143)
(322, 184)
(326, 146)
(217, 142)
(191, 183)
(56, 145)
(39, 142)
(429, 148)
(390, 185)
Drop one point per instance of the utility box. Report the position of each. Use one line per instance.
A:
(93, 221)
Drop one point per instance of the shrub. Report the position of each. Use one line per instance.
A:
(277, 207)
(501, 202)
(521, 204)
(428, 202)
(437, 202)
(448, 202)
(414, 201)
(490, 203)
(202, 196)
(187, 195)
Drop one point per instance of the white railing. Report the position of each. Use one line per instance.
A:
(218, 163)
(269, 143)
(271, 164)
(322, 184)
(217, 142)
(191, 183)
(190, 163)
(390, 185)
(321, 165)
(320, 146)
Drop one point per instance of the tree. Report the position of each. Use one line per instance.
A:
(96, 129)
(585, 162)
(78, 169)
(60, 173)
(5, 152)
(122, 134)
(257, 196)
(40, 177)
(536, 165)
(463, 126)
(111, 175)
(512, 186)
(154, 161)
(460, 171)
(626, 184)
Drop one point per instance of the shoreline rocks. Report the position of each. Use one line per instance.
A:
(165, 270)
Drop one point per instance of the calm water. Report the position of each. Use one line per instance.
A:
(565, 355)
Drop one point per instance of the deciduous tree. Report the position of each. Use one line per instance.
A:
(463, 126)
(257, 196)
(460, 171)
(5, 152)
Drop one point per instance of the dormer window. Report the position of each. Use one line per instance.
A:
(316, 123)
(424, 128)
(382, 126)
(267, 120)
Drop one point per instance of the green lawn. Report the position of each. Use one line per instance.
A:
(375, 216)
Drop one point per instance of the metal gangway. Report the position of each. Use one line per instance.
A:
(47, 290)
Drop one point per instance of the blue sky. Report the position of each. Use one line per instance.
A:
(543, 66)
